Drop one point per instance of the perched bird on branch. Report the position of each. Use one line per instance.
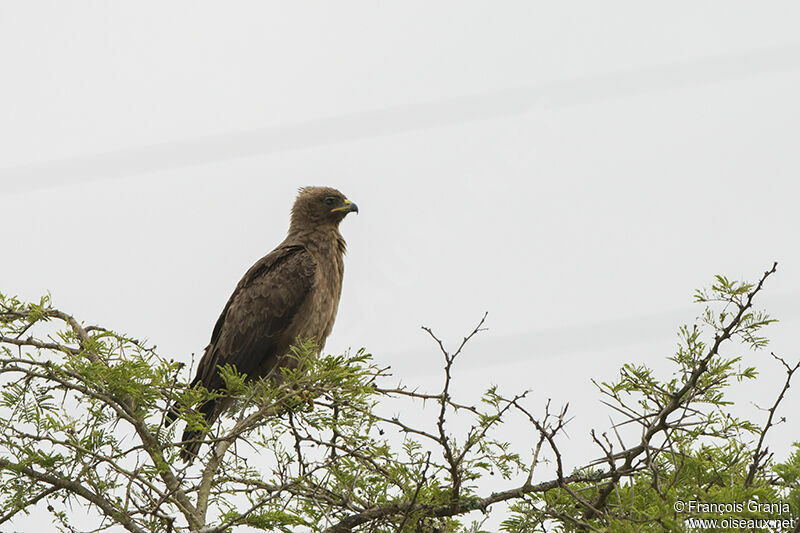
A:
(290, 294)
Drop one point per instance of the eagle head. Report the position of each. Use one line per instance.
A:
(317, 206)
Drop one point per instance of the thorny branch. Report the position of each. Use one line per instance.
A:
(326, 470)
(655, 423)
(761, 452)
(453, 461)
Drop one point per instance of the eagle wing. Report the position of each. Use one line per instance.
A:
(251, 333)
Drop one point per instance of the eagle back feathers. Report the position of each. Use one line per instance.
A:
(251, 329)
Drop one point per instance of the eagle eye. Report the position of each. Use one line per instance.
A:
(330, 200)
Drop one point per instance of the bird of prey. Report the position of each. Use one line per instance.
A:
(290, 294)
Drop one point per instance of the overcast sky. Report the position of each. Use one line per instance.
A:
(574, 169)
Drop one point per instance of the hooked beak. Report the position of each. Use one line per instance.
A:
(348, 207)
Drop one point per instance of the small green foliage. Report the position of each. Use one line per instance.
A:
(83, 415)
(266, 521)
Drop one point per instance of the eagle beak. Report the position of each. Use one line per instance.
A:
(348, 207)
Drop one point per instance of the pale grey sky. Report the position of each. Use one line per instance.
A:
(577, 170)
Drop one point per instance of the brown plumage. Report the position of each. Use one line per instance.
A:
(291, 293)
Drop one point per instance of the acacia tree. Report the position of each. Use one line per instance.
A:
(82, 424)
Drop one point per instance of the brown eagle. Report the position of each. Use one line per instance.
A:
(290, 294)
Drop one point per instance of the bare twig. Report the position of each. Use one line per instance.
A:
(759, 453)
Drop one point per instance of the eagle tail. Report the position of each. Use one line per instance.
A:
(172, 415)
(192, 439)
(191, 445)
